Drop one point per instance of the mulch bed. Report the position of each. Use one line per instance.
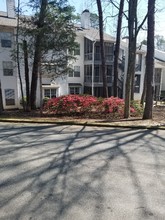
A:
(158, 115)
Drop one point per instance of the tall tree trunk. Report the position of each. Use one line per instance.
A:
(26, 75)
(37, 54)
(1, 100)
(17, 55)
(150, 60)
(102, 47)
(143, 97)
(130, 75)
(132, 29)
(117, 48)
(134, 26)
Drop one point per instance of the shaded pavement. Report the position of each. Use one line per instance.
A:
(81, 173)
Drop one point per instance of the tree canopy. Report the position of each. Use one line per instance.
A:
(49, 34)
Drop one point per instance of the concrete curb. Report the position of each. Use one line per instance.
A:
(85, 123)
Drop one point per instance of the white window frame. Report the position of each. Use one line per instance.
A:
(75, 72)
(7, 68)
(50, 95)
(74, 88)
(77, 50)
(6, 39)
(9, 97)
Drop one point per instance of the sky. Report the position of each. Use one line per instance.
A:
(80, 5)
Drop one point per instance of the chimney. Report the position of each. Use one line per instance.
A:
(10, 4)
(85, 19)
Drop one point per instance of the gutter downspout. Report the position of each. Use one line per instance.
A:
(93, 60)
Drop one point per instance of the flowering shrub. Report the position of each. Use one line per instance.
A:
(113, 105)
(88, 105)
(70, 104)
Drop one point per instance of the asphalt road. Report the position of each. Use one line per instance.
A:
(57, 172)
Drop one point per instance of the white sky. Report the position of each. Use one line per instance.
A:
(80, 5)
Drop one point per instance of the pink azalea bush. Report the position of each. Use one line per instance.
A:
(87, 104)
(70, 104)
(113, 105)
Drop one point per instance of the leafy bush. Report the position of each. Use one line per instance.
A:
(45, 100)
(70, 104)
(113, 105)
(25, 101)
(89, 105)
(137, 108)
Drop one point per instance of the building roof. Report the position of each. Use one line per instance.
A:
(93, 34)
(159, 63)
(8, 22)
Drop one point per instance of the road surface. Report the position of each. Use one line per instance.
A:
(52, 172)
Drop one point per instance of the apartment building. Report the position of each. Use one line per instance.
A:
(8, 72)
(86, 77)
(159, 73)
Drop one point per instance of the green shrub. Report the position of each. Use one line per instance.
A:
(45, 100)
(135, 104)
(25, 101)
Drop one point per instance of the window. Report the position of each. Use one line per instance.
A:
(109, 74)
(50, 93)
(138, 62)
(88, 47)
(97, 52)
(109, 53)
(77, 50)
(157, 76)
(97, 74)
(88, 73)
(137, 84)
(108, 48)
(5, 39)
(75, 72)
(7, 68)
(9, 96)
(75, 90)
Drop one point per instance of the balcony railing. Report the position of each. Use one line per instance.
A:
(88, 56)
(97, 56)
(108, 57)
(97, 79)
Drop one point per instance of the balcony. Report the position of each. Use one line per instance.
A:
(97, 56)
(97, 79)
(88, 56)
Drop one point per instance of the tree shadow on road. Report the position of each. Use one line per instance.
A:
(76, 172)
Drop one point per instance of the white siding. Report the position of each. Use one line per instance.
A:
(8, 82)
(163, 80)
